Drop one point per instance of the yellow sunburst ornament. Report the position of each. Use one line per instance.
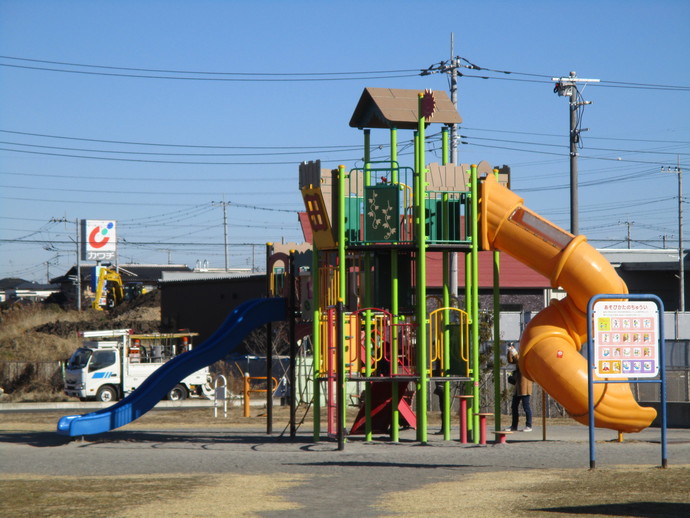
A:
(428, 105)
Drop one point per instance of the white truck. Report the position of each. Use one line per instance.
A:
(111, 364)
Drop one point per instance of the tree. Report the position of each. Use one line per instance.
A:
(255, 343)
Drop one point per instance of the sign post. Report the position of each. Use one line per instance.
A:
(625, 339)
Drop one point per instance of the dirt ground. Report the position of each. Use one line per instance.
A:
(271, 479)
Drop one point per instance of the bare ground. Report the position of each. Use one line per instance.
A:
(630, 490)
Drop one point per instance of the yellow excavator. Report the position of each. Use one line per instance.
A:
(109, 290)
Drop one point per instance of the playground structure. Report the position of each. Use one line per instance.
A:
(373, 228)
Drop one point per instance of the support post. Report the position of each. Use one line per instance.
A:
(497, 335)
(395, 306)
(420, 237)
(292, 312)
(78, 266)
(342, 297)
(474, 356)
(340, 375)
(316, 344)
(447, 289)
(269, 344)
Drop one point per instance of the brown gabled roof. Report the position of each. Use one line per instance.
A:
(398, 108)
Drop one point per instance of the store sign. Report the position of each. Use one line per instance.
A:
(99, 240)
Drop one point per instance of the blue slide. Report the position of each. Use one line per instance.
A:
(245, 318)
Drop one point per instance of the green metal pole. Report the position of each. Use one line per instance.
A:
(445, 411)
(395, 306)
(316, 334)
(469, 298)
(474, 251)
(497, 336)
(367, 300)
(422, 396)
(341, 234)
(445, 404)
(340, 375)
(444, 145)
(342, 270)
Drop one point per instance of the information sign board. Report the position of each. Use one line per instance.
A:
(626, 339)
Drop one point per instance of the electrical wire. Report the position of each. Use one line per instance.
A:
(142, 160)
(251, 77)
(190, 75)
(164, 71)
(159, 144)
(64, 202)
(141, 193)
(111, 178)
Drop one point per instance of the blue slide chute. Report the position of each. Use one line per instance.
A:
(245, 318)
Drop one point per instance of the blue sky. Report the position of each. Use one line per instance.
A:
(118, 138)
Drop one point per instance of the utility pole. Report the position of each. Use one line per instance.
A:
(567, 87)
(455, 63)
(78, 241)
(629, 224)
(224, 204)
(450, 67)
(681, 254)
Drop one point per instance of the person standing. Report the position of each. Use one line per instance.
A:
(521, 395)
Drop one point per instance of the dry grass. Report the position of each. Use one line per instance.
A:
(616, 491)
(144, 495)
(35, 338)
(19, 340)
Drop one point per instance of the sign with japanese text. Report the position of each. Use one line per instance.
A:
(99, 240)
(626, 339)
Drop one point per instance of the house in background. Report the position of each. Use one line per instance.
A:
(201, 300)
(650, 271)
(13, 289)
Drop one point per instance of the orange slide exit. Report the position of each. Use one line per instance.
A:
(550, 344)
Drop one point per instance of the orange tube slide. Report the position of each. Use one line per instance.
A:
(550, 344)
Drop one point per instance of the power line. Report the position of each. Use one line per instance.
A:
(164, 71)
(110, 178)
(142, 160)
(589, 147)
(248, 77)
(191, 75)
(135, 204)
(138, 192)
(159, 144)
(614, 159)
(564, 135)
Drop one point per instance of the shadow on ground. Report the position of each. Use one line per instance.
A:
(632, 509)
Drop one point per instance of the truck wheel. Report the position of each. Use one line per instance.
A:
(178, 393)
(106, 394)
